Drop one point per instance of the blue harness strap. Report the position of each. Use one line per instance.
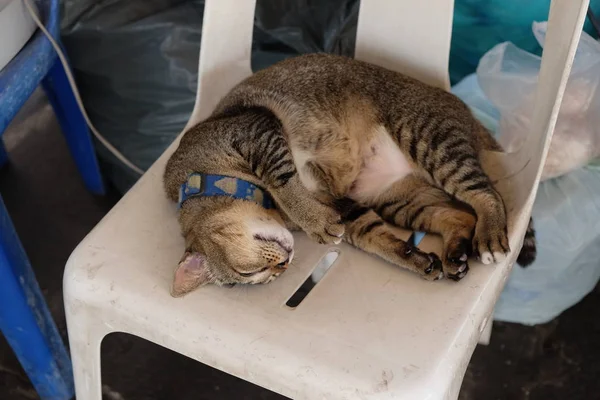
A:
(198, 184)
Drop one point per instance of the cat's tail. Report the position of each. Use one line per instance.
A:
(529, 250)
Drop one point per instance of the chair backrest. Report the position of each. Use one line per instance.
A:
(403, 35)
(412, 37)
(523, 169)
(565, 24)
(408, 36)
(225, 51)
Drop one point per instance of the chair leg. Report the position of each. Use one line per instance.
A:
(3, 153)
(486, 333)
(26, 322)
(85, 339)
(74, 127)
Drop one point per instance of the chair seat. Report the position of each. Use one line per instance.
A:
(367, 330)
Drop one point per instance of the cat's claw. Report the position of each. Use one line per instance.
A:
(456, 270)
(462, 272)
(456, 266)
(434, 270)
(487, 258)
(336, 230)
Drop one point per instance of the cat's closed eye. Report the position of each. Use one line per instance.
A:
(248, 274)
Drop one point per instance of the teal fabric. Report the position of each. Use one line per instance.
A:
(479, 25)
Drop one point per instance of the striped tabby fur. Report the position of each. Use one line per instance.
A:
(346, 149)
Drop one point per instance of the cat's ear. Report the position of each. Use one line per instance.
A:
(191, 273)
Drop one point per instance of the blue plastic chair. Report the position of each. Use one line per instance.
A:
(25, 319)
(38, 63)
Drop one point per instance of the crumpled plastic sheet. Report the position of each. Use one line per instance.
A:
(567, 228)
(508, 76)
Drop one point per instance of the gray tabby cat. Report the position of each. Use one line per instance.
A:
(347, 150)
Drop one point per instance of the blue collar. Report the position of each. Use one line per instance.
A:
(198, 184)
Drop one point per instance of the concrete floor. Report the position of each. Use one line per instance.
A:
(53, 212)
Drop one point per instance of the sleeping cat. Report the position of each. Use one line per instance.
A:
(347, 151)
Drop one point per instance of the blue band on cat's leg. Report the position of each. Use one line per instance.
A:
(416, 238)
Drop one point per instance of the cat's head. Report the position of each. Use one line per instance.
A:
(240, 242)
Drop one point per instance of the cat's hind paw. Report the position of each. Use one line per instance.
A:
(433, 269)
(491, 243)
(455, 262)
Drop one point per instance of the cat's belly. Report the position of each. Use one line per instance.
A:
(383, 165)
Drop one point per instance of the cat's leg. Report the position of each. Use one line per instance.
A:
(448, 153)
(278, 172)
(321, 222)
(265, 151)
(367, 231)
(414, 203)
(473, 187)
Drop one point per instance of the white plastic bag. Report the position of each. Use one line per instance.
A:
(508, 77)
(567, 227)
(567, 267)
(566, 209)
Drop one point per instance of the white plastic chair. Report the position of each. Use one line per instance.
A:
(368, 330)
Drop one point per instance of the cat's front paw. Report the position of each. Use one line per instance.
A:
(325, 226)
(490, 242)
(327, 234)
